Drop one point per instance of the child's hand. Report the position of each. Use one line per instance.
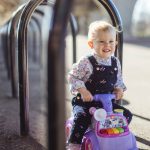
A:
(118, 92)
(85, 94)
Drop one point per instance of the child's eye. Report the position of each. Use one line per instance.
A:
(105, 42)
(101, 42)
(111, 42)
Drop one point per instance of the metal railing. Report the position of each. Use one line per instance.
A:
(23, 65)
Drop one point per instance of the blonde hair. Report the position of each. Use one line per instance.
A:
(96, 26)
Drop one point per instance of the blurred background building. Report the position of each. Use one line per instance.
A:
(135, 14)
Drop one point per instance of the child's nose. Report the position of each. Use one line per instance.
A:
(107, 43)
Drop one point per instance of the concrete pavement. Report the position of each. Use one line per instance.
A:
(136, 73)
(10, 138)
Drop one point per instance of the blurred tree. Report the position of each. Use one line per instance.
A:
(6, 9)
(82, 10)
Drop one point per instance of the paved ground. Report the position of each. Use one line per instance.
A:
(136, 75)
(10, 138)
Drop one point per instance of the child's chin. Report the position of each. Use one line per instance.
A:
(106, 56)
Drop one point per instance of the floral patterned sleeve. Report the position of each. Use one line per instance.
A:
(120, 83)
(79, 74)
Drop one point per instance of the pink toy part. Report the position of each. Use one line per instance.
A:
(90, 141)
(68, 127)
(68, 131)
(92, 110)
(88, 145)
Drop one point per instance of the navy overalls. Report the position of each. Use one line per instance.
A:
(102, 80)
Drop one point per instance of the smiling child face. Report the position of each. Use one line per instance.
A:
(104, 43)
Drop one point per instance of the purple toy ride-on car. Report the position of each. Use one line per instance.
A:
(108, 131)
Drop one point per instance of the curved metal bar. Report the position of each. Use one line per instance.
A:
(39, 12)
(117, 22)
(12, 34)
(74, 29)
(56, 63)
(23, 65)
(12, 46)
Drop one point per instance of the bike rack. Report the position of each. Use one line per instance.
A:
(12, 44)
(55, 68)
(60, 18)
(23, 69)
(12, 34)
(23, 65)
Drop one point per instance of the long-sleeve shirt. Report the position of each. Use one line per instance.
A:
(83, 69)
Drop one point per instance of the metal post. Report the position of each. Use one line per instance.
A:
(56, 77)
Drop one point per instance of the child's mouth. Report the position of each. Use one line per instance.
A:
(106, 50)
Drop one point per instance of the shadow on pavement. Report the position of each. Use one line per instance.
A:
(147, 119)
(125, 102)
(144, 141)
(16, 142)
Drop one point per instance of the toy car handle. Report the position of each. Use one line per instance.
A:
(106, 100)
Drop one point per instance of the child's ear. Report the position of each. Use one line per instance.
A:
(90, 43)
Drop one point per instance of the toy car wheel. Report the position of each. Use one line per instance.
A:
(87, 144)
(68, 131)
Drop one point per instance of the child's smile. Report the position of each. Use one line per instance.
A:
(105, 43)
(106, 50)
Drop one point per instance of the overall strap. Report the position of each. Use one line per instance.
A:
(93, 61)
(113, 62)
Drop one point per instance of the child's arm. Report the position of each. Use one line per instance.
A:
(119, 86)
(77, 77)
(118, 92)
(85, 94)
